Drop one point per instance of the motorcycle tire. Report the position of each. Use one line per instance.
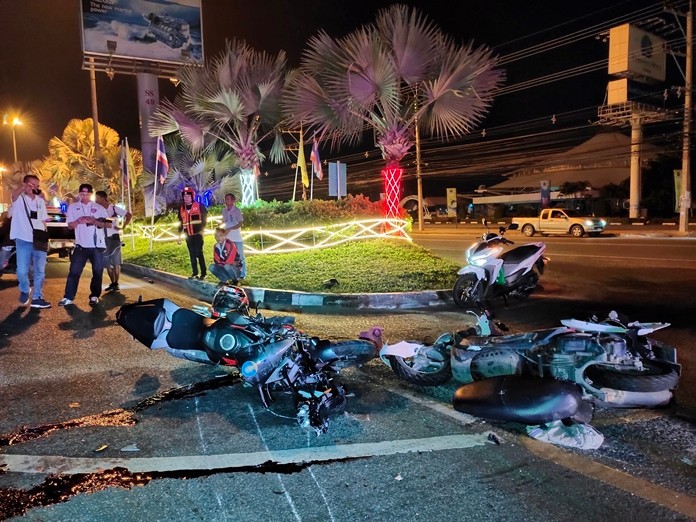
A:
(349, 353)
(655, 377)
(435, 374)
(463, 292)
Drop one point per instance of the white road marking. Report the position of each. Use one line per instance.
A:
(280, 478)
(205, 450)
(321, 490)
(49, 464)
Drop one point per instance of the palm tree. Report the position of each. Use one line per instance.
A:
(202, 169)
(72, 160)
(234, 101)
(393, 76)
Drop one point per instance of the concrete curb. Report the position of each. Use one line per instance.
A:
(291, 301)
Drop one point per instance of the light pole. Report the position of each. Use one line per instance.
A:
(15, 121)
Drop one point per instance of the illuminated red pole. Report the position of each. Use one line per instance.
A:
(392, 189)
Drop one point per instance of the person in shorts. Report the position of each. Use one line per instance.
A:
(112, 255)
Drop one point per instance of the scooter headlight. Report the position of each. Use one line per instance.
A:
(478, 259)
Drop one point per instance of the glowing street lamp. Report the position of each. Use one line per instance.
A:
(15, 121)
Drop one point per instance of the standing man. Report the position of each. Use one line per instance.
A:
(112, 255)
(233, 220)
(28, 212)
(88, 220)
(192, 220)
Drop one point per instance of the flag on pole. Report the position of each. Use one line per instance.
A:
(316, 162)
(162, 166)
(302, 163)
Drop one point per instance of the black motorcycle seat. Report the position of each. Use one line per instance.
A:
(519, 254)
(186, 330)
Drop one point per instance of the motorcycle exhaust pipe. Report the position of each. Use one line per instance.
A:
(257, 372)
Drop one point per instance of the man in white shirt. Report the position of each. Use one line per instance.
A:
(112, 255)
(233, 220)
(88, 220)
(28, 212)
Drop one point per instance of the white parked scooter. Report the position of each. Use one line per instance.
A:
(493, 273)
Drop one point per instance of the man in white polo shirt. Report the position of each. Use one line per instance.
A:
(88, 219)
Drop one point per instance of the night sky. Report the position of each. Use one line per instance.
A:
(41, 76)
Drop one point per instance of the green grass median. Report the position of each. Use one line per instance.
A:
(375, 265)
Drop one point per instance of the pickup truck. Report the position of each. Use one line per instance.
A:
(560, 221)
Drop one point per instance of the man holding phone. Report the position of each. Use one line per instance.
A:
(28, 212)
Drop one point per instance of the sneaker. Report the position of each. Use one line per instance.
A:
(65, 302)
(40, 303)
(193, 276)
(113, 287)
(23, 298)
(201, 277)
(93, 300)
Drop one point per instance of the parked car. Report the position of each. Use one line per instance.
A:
(61, 239)
(560, 221)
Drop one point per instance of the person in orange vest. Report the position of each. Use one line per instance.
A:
(192, 220)
(226, 261)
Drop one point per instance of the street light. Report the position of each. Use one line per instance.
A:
(15, 121)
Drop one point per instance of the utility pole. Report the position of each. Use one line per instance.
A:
(685, 197)
(419, 180)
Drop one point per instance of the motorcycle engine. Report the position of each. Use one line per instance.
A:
(615, 348)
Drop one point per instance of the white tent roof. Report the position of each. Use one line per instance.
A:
(601, 160)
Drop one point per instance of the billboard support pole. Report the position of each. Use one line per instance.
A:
(685, 197)
(95, 111)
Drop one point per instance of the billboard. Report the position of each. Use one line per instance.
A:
(156, 30)
(634, 53)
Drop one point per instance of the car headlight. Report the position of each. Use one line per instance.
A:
(603, 223)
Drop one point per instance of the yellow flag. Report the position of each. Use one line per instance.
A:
(302, 163)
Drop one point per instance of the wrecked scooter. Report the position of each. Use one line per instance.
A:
(612, 360)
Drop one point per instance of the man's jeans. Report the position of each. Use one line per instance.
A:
(26, 257)
(224, 272)
(77, 265)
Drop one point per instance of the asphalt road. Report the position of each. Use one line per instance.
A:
(90, 429)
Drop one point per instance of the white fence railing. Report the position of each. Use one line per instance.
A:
(291, 240)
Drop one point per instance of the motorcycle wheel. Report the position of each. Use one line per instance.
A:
(463, 292)
(353, 353)
(422, 370)
(654, 377)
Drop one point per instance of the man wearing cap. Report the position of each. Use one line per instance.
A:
(88, 219)
(192, 220)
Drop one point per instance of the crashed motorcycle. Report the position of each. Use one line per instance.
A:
(612, 360)
(490, 272)
(269, 353)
